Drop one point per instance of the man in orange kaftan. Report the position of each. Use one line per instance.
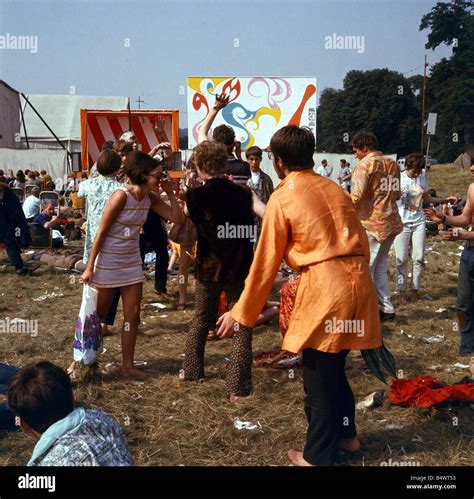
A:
(311, 223)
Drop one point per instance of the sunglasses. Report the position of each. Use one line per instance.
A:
(159, 176)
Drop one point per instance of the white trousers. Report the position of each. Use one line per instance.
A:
(379, 270)
(416, 234)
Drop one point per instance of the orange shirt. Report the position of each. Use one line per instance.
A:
(374, 192)
(311, 222)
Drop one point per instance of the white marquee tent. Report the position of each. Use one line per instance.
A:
(63, 115)
(53, 161)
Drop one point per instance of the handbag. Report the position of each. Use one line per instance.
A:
(87, 333)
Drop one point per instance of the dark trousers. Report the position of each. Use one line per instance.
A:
(111, 314)
(7, 418)
(155, 238)
(206, 302)
(7, 237)
(466, 300)
(329, 405)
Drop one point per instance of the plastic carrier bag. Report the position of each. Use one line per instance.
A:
(87, 333)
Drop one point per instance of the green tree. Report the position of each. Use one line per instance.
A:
(379, 100)
(451, 82)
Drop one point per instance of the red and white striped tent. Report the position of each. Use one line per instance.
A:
(98, 126)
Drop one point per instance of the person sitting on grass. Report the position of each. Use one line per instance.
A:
(41, 396)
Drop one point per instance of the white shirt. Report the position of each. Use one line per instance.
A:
(410, 205)
(255, 177)
(323, 171)
(343, 173)
(31, 206)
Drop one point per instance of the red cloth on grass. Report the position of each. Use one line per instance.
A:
(425, 391)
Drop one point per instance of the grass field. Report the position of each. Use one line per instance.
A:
(171, 423)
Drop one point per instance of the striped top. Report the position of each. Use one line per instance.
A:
(118, 262)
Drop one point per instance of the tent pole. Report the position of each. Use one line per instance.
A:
(46, 125)
(23, 122)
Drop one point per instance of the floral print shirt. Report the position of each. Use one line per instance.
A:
(97, 190)
(375, 191)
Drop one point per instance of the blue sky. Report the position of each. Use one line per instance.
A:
(82, 43)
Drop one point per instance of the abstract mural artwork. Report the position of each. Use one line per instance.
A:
(258, 106)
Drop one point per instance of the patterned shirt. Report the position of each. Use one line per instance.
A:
(97, 190)
(82, 438)
(375, 191)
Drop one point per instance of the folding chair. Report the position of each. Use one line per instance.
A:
(50, 197)
(19, 193)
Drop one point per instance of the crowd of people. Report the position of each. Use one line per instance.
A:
(236, 228)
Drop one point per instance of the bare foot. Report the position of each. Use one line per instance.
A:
(133, 372)
(414, 295)
(71, 370)
(106, 331)
(164, 296)
(349, 444)
(297, 458)
(402, 298)
(212, 336)
(234, 399)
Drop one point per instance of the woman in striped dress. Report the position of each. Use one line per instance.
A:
(114, 260)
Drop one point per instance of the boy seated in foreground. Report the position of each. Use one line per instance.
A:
(41, 396)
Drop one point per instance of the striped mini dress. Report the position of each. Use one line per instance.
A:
(119, 263)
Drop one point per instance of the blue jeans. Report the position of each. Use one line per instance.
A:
(6, 374)
(7, 418)
(466, 300)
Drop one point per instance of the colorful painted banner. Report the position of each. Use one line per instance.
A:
(258, 106)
